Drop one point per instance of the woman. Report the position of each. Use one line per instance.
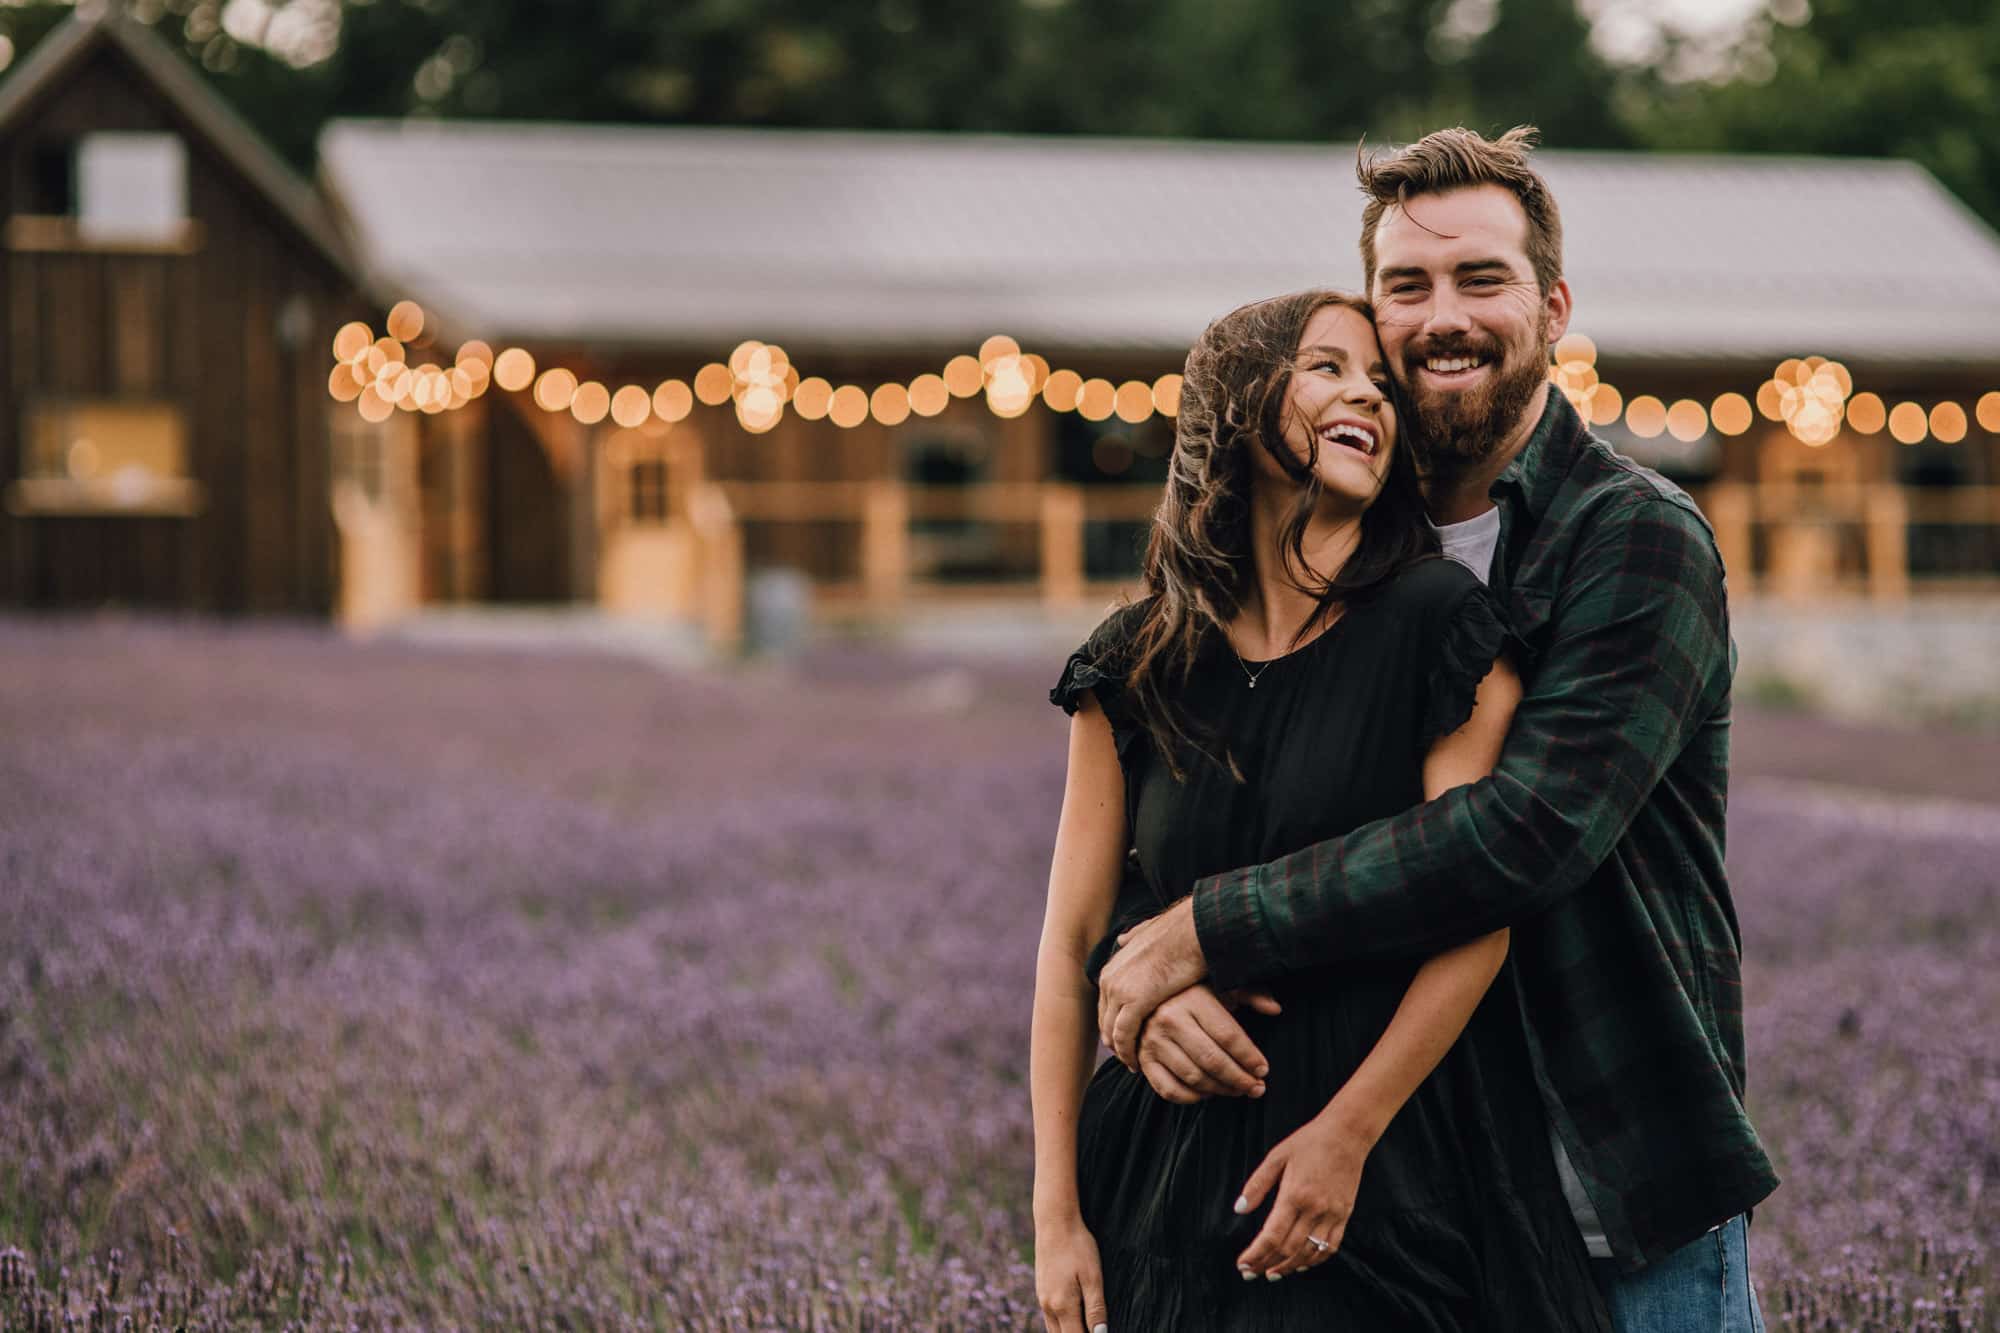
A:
(1304, 663)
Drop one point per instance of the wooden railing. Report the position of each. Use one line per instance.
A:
(1783, 539)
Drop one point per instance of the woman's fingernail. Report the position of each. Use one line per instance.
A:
(1257, 1090)
(1273, 1277)
(1100, 1328)
(1261, 1070)
(1242, 1204)
(1249, 1275)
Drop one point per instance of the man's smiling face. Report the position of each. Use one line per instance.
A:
(1464, 325)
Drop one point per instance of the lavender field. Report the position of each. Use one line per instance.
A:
(380, 987)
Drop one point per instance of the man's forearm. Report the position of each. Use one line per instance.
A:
(1638, 662)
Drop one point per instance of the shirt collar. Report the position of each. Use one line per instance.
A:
(1537, 472)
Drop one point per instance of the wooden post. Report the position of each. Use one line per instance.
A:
(1728, 507)
(885, 542)
(1888, 543)
(719, 540)
(1062, 543)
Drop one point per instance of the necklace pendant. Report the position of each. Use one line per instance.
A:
(1253, 682)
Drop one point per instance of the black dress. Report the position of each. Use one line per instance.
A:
(1460, 1221)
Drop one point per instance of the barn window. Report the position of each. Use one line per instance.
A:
(131, 187)
(110, 190)
(648, 482)
(105, 456)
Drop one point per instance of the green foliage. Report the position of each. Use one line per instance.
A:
(1918, 79)
(1252, 69)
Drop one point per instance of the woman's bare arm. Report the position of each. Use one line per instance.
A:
(1318, 1168)
(1083, 884)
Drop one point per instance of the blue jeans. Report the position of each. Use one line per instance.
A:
(1703, 1287)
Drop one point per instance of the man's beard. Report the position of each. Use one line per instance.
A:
(1455, 430)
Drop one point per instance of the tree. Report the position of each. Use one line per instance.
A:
(1919, 79)
(1252, 69)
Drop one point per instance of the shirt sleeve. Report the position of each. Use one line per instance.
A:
(1638, 656)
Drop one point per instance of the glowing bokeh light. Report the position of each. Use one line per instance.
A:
(848, 407)
(1096, 400)
(1948, 423)
(811, 398)
(1606, 405)
(555, 389)
(929, 395)
(1687, 421)
(1907, 423)
(630, 406)
(999, 345)
(406, 321)
(890, 404)
(1575, 347)
(1770, 400)
(1731, 414)
(713, 384)
(740, 358)
(964, 376)
(374, 407)
(352, 340)
(1988, 412)
(1008, 392)
(759, 409)
(673, 400)
(1061, 390)
(1035, 370)
(1167, 395)
(514, 370)
(1133, 402)
(1646, 416)
(1866, 413)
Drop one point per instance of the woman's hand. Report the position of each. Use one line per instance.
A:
(1193, 1046)
(1317, 1170)
(1069, 1282)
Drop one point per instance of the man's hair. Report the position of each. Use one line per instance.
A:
(1456, 159)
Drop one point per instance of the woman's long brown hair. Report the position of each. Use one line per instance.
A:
(1198, 562)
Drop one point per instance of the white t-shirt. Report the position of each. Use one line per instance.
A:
(1473, 544)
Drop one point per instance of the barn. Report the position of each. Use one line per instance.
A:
(169, 287)
(629, 366)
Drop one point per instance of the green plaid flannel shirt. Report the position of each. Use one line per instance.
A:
(1598, 839)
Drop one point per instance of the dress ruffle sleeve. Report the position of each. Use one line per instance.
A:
(1473, 635)
(1083, 671)
(1100, 666)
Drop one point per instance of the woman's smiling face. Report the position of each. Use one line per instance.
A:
(1338, 417)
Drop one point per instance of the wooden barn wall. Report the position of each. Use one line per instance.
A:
(527, 513)
(200, 330)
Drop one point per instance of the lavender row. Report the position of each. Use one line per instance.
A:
(383, 988)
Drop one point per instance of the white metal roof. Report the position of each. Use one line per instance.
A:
(701, 237)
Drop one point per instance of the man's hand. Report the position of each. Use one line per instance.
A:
(1156, 959)
(1193, 1047)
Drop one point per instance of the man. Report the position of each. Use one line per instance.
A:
(1598, 839)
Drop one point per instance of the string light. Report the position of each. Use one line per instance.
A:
(1812, 396)
(1731, 413)
(1907, 423)
(1645, 416)
(1687, 421)
(1866, 413)
(1948, 423)
(1133, 402)
(672, 400)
